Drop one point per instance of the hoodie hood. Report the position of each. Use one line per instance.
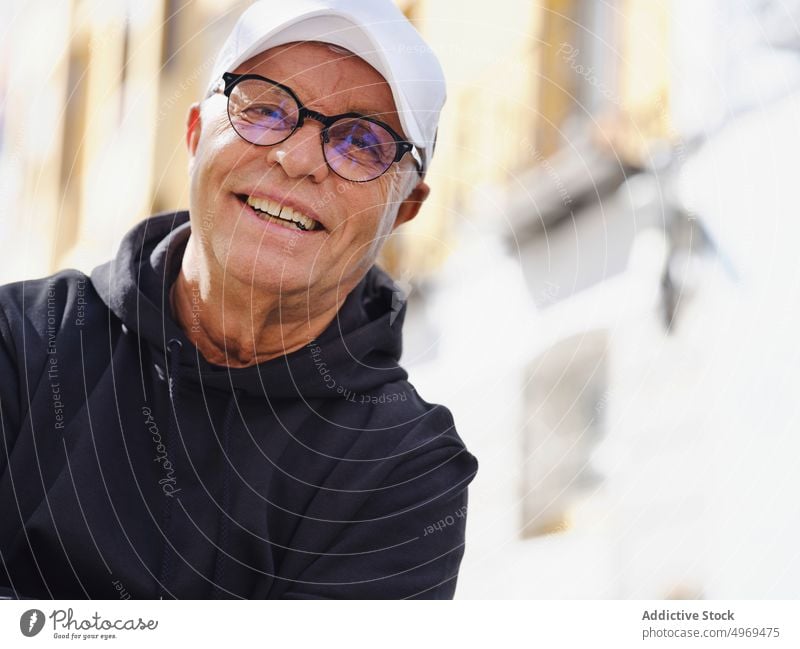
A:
(358, 351)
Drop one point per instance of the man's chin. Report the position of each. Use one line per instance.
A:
(270, 275)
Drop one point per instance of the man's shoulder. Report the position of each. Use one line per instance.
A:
(46, 303)
(28, 291)
(408, 418)
(406, 448)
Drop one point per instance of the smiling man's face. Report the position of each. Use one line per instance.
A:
(229, 175)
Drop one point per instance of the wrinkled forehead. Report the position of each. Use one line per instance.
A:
(305, 49)
(323, 64)
(327, 74)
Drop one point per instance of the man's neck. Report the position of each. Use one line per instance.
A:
(243, 329)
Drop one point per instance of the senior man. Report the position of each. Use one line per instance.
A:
(220, 411)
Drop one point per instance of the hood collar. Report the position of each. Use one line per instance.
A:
(358, 351)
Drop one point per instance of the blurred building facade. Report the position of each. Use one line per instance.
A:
(552, 106)
(606, 319)
(94, 120)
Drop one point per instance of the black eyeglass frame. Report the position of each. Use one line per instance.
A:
(231, 80)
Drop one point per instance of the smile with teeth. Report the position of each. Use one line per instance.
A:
(282, 215)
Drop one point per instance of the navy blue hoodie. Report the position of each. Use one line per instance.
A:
(130, 466)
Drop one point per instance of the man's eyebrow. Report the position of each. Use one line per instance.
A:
(373, 114)
(368, 112)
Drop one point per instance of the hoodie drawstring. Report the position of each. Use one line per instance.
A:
(174, 347)
(222, 542)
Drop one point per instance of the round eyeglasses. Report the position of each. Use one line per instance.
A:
(355, 147)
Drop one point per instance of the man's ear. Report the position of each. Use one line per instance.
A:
(193, 129)
(408, 208)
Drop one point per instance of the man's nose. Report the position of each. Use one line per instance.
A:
(301, 153)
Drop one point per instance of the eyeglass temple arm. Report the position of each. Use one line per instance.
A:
(416, 155)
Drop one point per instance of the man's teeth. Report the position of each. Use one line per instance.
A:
(286, 213)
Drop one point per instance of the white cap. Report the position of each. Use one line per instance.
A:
(375, 30)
